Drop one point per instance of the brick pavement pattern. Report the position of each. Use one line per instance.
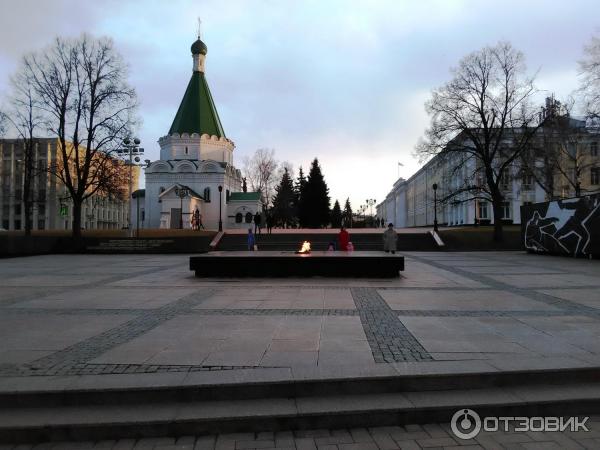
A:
(427, 436)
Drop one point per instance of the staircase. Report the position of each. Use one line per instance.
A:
(205, 407)
(418, 241)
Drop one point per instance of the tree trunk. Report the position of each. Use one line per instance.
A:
(27, 205)
(497, 207)
(77, 218)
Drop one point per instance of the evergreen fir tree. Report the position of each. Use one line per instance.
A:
(347, 215)
(314, 201)
(336, 215)
(284, 201)
(299, 188)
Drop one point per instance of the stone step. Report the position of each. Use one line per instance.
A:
(151, 419)
(212, 386)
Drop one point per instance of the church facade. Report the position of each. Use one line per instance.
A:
(195, 170)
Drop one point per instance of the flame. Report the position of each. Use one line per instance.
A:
(305, 247)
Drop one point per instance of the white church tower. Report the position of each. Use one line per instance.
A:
(196, 158)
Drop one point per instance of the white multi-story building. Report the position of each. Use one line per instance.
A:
(51, 206)
(410, 203)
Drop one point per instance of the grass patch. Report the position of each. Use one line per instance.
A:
(481, 238)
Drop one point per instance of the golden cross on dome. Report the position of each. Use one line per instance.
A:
(199, 28)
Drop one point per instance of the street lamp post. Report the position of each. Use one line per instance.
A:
(370, 203)
(220, 208)
(181, 192)
(130, 149)
(435, 222)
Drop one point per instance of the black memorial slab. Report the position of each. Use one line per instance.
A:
(290, 264)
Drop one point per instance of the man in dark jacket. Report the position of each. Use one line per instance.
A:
(257, 220)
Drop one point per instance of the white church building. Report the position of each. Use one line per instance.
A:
(195, 169)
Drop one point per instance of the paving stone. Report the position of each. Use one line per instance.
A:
(358, 446)
(434, 430)
(124, 444)
(361, 435)
(548, 445)
(205, 443)
(340, 438)
(436, 442)
(408, 445)
(254, 444)
(313, 433)
(305, 443)
(385, 441)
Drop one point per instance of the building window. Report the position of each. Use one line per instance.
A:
(41, 210)
(482, 210)
(594, 149)
(227, 196)
(248, 217)
(505, 181)
(238, 218)
(595, 171)
(5, 224)
(17, 224)
(186, 150)
(41, 224)
(526, 181)
(18, 209)
(207, 194)
(505, 210)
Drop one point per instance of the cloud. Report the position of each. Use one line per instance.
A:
(341, 80)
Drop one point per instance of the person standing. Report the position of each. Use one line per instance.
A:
(390, 239)
(343, 238)
(257, 220)
(196, 220)
(251, 241)
(269, 221)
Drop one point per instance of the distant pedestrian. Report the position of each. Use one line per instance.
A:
(251, 242)
(390, 239)
(270, 221)
(343, 238)
(257, 220)
(197, 220)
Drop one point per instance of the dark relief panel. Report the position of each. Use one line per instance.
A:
(567, 227)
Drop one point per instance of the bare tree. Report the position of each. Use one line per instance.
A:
(3, 121)
(480, 123)
(589, 70)
(557, 158)
(89, 106)
(260, 172)
(25, 117)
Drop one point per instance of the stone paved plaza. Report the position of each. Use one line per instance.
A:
(67, 314)
(68, 319)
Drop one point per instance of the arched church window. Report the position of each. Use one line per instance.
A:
(161, 189)
(186, 150)
(207, 194)
(238, 218)
(248, 217)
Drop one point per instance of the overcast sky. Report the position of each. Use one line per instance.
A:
(344, 81)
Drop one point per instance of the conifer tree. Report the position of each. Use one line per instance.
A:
(347, 215)
(299, 188)
(336, 215)
(314, 202)
(284, 201)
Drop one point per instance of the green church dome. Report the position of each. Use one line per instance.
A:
(199, 48)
